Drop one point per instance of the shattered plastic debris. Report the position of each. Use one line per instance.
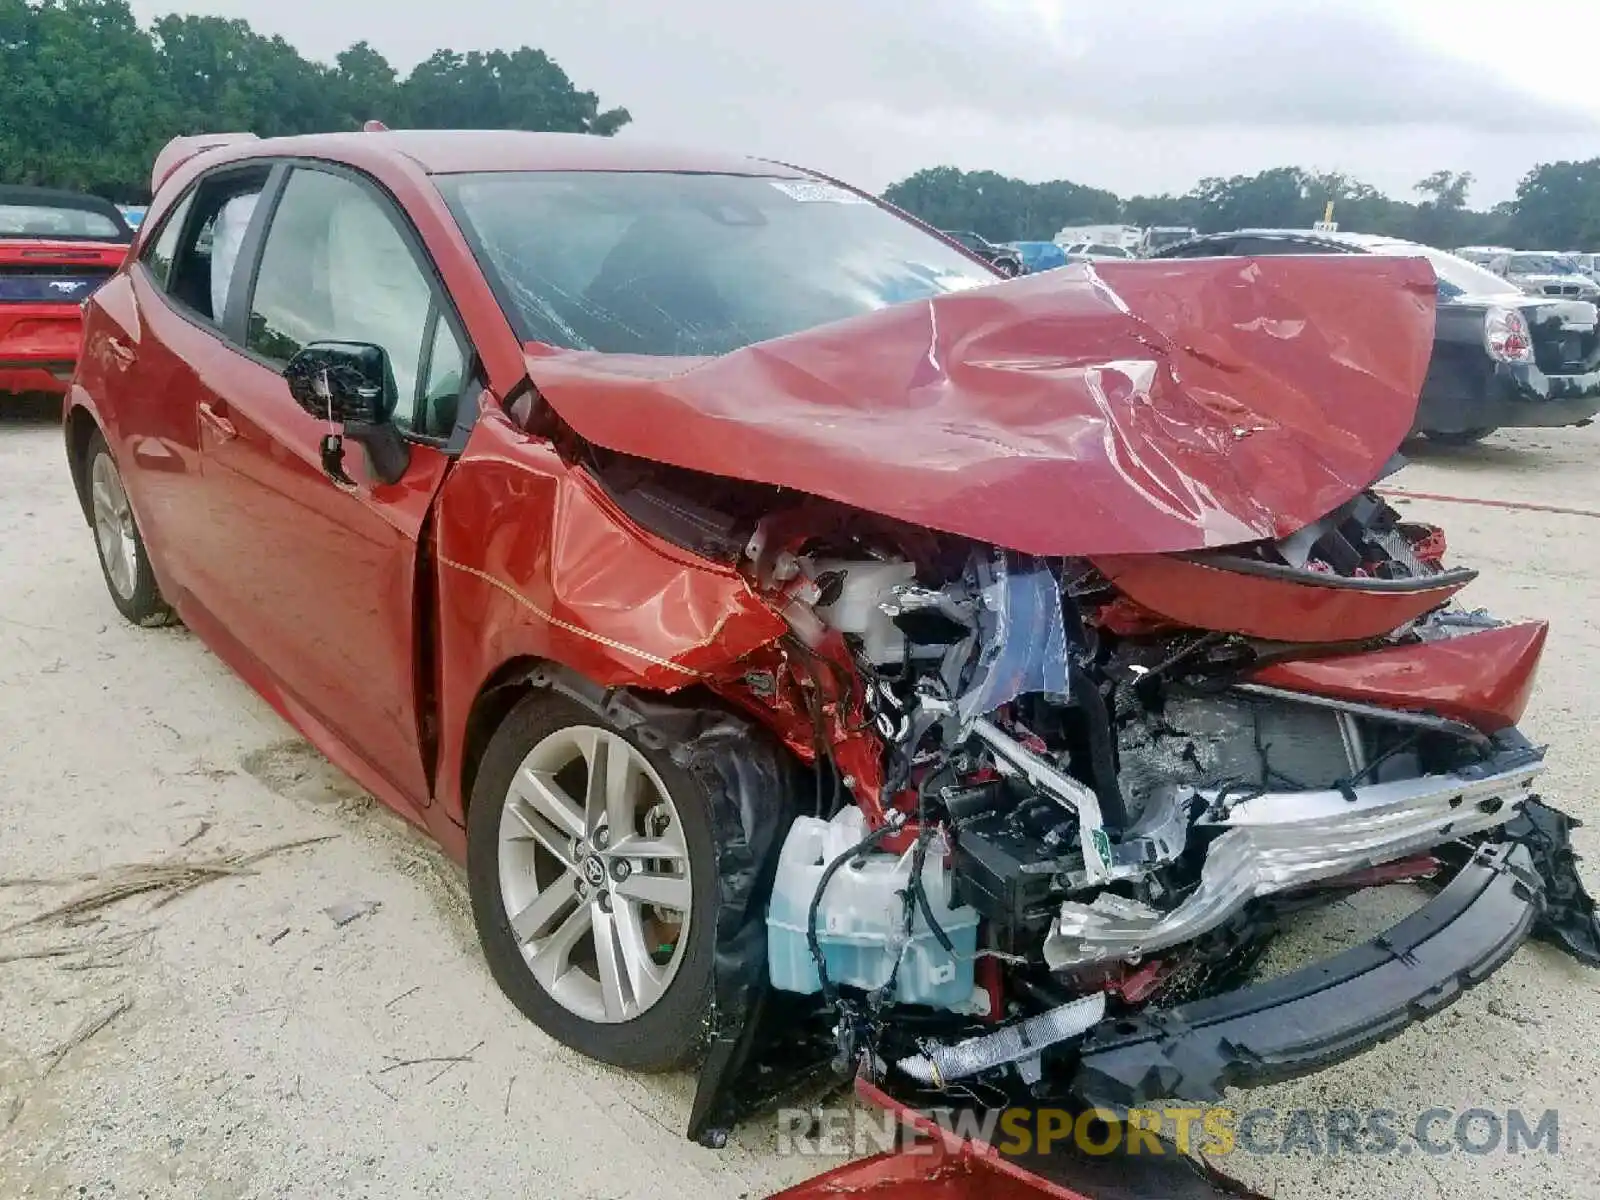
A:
(351, 910)
(1025, 642)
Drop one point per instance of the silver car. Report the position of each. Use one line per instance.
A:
(1546, 273)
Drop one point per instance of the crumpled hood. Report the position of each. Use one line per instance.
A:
(1106, 408)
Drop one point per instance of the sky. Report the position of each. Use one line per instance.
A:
(1145, 96)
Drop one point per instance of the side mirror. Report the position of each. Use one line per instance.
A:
(351, 384)
(347, 382)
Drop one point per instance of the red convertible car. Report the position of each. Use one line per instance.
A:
(55, 249)
(778, 612)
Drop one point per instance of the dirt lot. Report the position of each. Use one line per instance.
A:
(237, 1042)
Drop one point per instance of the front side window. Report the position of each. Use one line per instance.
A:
(673, 264)
(336, 267)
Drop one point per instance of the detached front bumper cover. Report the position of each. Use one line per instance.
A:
(1329, 1011)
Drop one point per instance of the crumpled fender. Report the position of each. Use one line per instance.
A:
(1113, 408)
(1484, 679)
(534, 561)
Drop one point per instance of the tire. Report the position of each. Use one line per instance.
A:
(1009, 267)
(565, 1000)
(124, 561)
(1460, 437)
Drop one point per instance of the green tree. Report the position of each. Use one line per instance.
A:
(998, 207)
(1282, 198)
(1558, 207)
(1439, 218)
(523, 89)
(87, 97)
(82, 102)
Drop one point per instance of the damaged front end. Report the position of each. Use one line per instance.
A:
(1115, 662)
(1087, 808)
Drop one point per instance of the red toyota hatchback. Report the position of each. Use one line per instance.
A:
(56, 248)
(761, 595)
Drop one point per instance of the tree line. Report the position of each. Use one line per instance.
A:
(88, 97)
(1557, 206)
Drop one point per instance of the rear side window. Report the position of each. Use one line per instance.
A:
(1259, 247)
(201, 270)
(337, 267)
(158, 255)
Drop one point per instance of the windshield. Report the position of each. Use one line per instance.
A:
(50, 221)
(676, 264)
(1542, 264)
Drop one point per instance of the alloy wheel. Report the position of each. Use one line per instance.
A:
(113, 526)
(594, 874)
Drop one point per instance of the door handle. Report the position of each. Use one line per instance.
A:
(220, 424)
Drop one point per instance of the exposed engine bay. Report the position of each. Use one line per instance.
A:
(1039, 802)
(1054, 794)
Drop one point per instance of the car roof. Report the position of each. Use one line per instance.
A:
(1370, 244)
(465, 151)
(15, 193)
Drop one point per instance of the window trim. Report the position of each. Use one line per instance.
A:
(253, 252)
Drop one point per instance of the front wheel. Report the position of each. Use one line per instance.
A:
(124, 561)
(593, 879)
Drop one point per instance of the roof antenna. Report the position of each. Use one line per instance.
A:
(374, 127)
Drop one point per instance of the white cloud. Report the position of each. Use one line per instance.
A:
(1147, 98)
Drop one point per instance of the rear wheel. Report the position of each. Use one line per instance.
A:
(1461, 437)
(593, 879)
(124, 561)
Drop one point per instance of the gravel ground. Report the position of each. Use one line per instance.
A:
(236, 1042)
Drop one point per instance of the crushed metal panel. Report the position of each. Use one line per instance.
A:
(1485, 679)
(534, 561)
(1119, 408)
(1313, 608)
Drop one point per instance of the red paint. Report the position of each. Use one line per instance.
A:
(1299, 609)
(1484, 679)
(1139, 407)
(1127, 408)
(38, 339)
(535, 562)
(1140, 983)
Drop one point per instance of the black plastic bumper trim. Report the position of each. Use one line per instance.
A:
(1329, 1011)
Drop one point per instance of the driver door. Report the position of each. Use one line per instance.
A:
(320, 583)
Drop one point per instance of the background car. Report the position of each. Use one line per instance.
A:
(1089, 251)
(1589, 264)
(1501, 358)
(1005, 260)
(1545, 273)
(1038, 256)
(56, 248)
